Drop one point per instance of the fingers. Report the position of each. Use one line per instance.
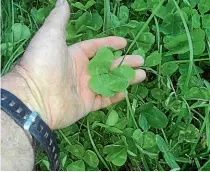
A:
(59, 16)
(102, 102)
(90, 47)
(130, 60)
(139, 77)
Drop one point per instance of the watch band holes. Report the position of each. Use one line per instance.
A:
(55, 156)
(53, 149)
(19, 110)
(56, 163)
(3, 97)
(25, 116)
(50, 142)
(12, 103)
(40, 128)
(46, 135)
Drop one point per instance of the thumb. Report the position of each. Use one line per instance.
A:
(59, 16)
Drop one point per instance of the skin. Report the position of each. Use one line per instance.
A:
(52, 79)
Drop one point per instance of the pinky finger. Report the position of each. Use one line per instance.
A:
(139, 77)
(102, 102)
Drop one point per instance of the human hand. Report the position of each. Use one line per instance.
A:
(57, 75)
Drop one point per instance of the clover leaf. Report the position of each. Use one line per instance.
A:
(6, 48)
(196, 93)
(88, 21)
(114, 20)
(76, 166)
(204, 6)
(118, 158)
(172, 24)
(124, 71)
(135, 26)
(169, 68)
(39, 15)
(194, 82)
(77, 150)
(146, 40)
(20, 32)
(183, 69)
(152, 3)
(117, 83)
(155, 117)
(91, 158)
(100, 84)
(80, 6)
(196, 21)
(206, 21)
(106, 82)
(153, 59)
(178, 44)
(112, 119)
(139, 5)
(101, 62)
(139, 51)
(123, 14)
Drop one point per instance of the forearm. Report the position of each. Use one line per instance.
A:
(16, 147)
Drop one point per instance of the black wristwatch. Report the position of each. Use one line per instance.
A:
(32, 123)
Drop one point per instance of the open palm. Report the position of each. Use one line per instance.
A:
(57, 74)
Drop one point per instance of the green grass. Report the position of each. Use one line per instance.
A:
(164, 122)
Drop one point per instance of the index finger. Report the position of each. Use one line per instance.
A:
(90, 47)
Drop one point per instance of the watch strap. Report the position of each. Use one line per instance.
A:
(30, 121)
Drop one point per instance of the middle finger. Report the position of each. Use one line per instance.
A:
(130, 60)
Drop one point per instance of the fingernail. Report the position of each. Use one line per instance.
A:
(59, 3)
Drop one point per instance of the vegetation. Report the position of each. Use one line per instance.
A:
(164, 122)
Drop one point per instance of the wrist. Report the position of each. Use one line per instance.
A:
(16, 83)
(30, 121)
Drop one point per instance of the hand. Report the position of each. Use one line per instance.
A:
(57, 75)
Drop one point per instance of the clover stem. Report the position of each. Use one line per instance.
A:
(94, 146)
(189, 42)
(130, 109)
(106, 15)
(67, 140)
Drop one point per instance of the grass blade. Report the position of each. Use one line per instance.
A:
(207, 121)
(189, 42)
(95, 148)
(206, 166)
(107, 15)
(207, 118)
(144, 26)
